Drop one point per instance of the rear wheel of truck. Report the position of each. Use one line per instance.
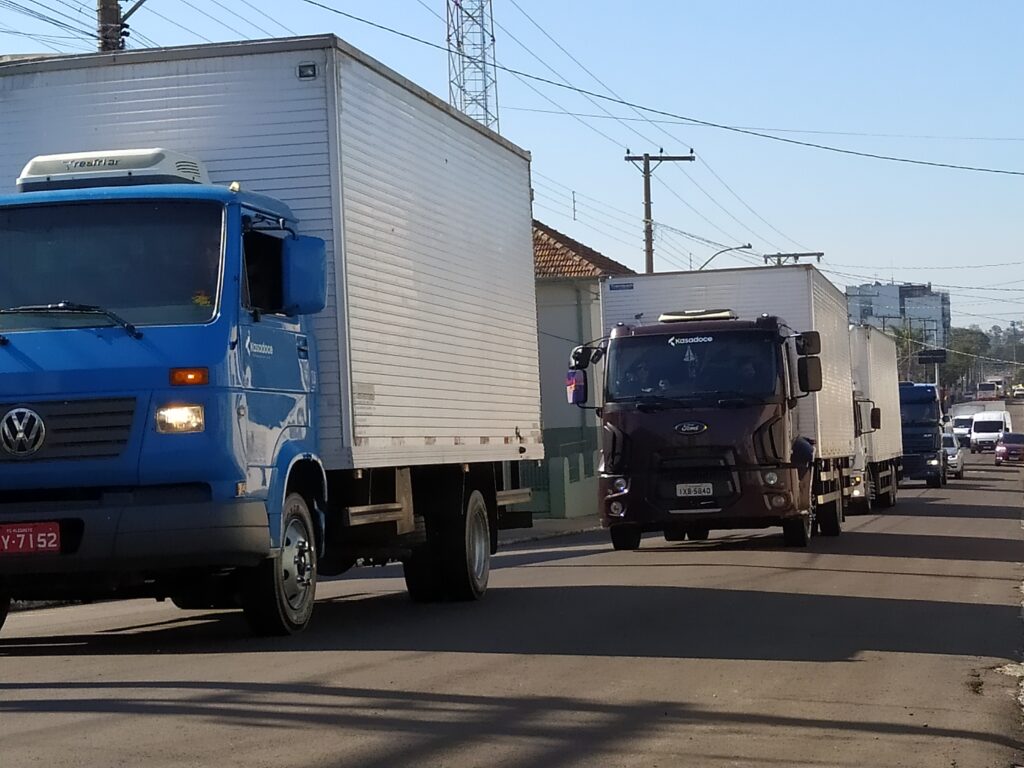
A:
(279, 598)
(455, 561)
(625, 537)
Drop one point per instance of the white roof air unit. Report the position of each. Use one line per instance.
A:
(119, 167)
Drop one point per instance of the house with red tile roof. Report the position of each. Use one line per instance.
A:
(568, 275)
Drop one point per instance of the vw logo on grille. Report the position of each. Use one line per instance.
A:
(22, 432)
(691, 427)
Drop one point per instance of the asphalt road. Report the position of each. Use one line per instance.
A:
(879, 648)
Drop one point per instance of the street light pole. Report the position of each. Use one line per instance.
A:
(725, 250)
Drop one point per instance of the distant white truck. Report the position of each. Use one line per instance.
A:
(875, 472)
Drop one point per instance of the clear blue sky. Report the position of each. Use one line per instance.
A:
(912, 69)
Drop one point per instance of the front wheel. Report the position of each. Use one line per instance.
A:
(279, 598)
(796, 531)
(934, 481)
(625, 537)
(698, 534)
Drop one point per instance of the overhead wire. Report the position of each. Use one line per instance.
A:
(148, 7)
(701, 160)
(786, 130)
(210, 16)
(685, 118)
(270, 18)
(246, 19)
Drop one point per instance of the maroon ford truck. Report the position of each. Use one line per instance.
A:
(699, 426)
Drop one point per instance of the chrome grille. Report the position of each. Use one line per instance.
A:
(79, 429)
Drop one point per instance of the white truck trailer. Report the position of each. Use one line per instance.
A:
(876, 397)
(733, 457)
(398, 410)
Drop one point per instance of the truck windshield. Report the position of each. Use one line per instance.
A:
(986, 387)
(692, 364)
(151, 262)
(962, 422)
(988, 427)
(919, 413)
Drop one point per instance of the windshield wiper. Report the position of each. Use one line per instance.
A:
(662, 401)
(70, 307)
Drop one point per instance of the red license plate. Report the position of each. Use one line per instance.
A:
(26, 538)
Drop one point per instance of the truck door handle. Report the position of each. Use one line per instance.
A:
(303, 348)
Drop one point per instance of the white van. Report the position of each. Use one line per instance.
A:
(986, 428)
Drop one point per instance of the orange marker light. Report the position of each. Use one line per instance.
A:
(183, 377)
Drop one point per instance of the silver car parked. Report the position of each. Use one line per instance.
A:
(954, 456)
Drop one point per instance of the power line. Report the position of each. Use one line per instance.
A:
(210, 16)
(683, 170)
(690, 120)
(243, 18)
(930, 267)
(785, 130)
(272, 19)
(149, 8)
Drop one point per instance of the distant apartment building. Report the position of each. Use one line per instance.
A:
(902, 305)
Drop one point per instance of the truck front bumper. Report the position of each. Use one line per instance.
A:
(742, 499)
(120, 539)
(917, 466)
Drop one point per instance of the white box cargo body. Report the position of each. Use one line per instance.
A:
(876, 377)
(799, 294)
(428, 345)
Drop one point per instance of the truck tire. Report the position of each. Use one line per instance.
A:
(888, 499)
(675, 534)
(278, 600)
(830, 521)
(625, 537)
(934, 482)
(698, 534)
(5, 607)
(455, 561)
(796, 531)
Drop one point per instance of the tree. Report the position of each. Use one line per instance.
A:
(962, 368)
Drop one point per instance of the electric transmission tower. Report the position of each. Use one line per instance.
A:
(472, 76)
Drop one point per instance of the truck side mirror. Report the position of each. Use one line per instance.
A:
(808, 343)
(304, 282)
(876, 418)
(808, 372)
(580, 358)
(576, 387)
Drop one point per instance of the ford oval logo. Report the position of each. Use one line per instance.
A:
(691, 427)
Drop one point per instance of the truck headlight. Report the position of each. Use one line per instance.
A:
(180, 419)
(933, 462)
(771, 478)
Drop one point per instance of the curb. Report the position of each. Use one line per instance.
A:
(533, 535)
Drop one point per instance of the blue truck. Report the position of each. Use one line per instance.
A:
(921, 416)
(217, 396)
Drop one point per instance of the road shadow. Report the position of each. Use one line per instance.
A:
(919, 546)
(410, 727)
(927, 507)
(617, 621)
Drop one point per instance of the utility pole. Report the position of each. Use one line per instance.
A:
(108, 25)
(646, 169)
(782, 258)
